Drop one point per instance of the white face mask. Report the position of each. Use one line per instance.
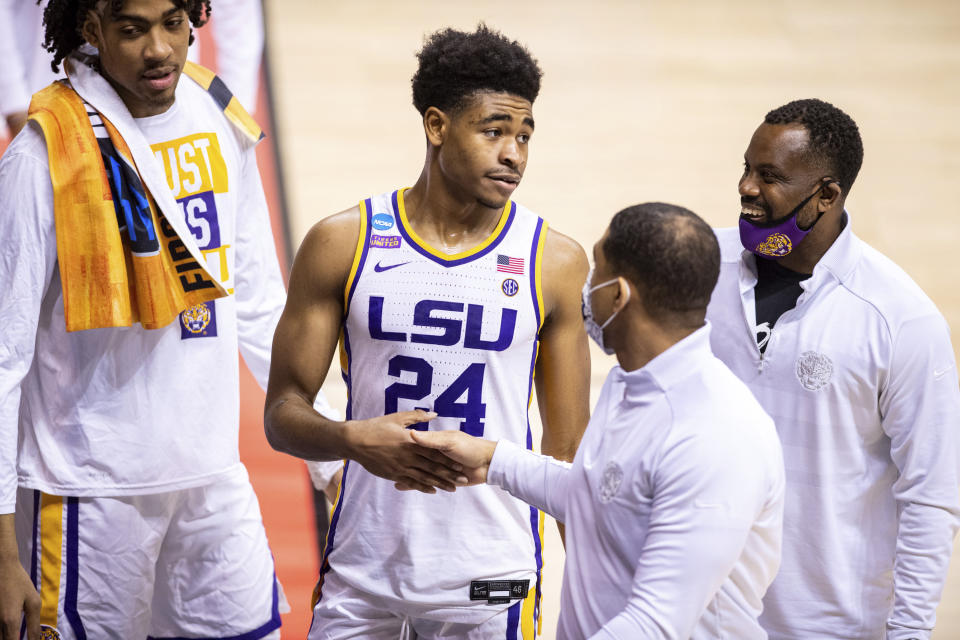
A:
(595, 330)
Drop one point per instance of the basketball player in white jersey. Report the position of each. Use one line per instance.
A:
(445, 298)
(125, 511)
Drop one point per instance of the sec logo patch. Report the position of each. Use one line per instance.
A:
(510, 287)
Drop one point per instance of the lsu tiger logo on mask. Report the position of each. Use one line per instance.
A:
(776, 245)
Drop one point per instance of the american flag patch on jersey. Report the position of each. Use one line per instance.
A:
(509, 265)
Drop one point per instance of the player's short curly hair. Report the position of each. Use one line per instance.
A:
(834, 137)
(454, 65)
(670, 254)
(63, 19)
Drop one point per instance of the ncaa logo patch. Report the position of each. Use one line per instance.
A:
(382, 221)
(49, 633)
(510, 287)
(199, 321)
(814, 370)
(610, 482)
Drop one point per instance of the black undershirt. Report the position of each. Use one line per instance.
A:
(775, 293)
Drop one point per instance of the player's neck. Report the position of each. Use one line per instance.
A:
(447, 222)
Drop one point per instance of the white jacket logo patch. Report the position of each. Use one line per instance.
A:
(610, 483)
(814, 370)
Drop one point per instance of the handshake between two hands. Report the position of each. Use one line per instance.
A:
(421, 460)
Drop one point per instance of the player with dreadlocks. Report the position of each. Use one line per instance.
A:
(64, 21)
(137, 259)
(145, 78)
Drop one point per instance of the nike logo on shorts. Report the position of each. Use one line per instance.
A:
(378, 268)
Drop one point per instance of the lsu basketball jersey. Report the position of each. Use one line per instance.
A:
(458, 335)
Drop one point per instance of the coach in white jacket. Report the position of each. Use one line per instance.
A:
(855, 366)
(673, 503)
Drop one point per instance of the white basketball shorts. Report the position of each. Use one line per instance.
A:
(344, 612)
(192, 563)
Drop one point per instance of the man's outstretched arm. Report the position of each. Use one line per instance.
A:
(303, 347)
(540, 481)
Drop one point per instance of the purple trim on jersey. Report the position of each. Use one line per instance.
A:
(268, 627)
(513, 620)
(536, 313)
(533, 270)
(73, 569)
(442, 261)
(533, 364)
(346, 374)
(534, 514)
(36, 539)
(331, 534)
(363, 255)
(368, 206)
(346, 381)
(538, 554)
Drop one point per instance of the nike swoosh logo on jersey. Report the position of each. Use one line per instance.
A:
(939, 373)
(702, 504)
(378, 268)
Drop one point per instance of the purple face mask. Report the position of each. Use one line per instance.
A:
(776, 239)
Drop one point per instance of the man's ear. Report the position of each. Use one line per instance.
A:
(623, 294)
(91, 29)
(830, 195)
(436, 124)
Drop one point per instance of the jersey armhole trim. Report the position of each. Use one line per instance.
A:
(536, 296)
(359, 256)
(536, 273)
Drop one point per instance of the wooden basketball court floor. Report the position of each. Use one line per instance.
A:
(640, 101)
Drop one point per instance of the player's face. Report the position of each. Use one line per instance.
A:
(778, 174)
(484, 156)
(142, 48)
